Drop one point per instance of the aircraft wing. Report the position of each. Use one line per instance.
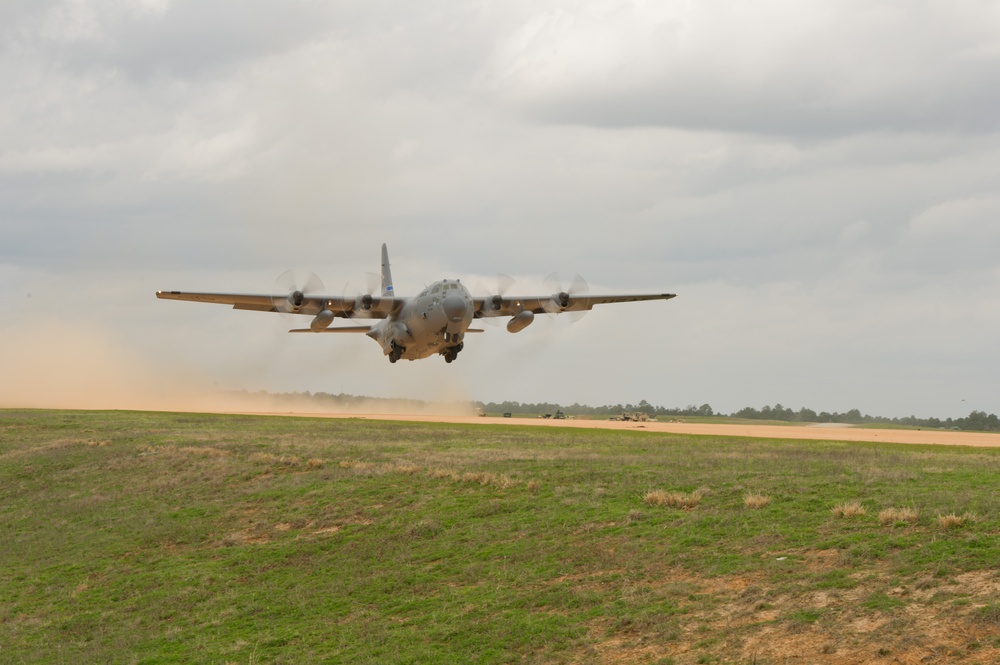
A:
(363, 307)
(558, 303)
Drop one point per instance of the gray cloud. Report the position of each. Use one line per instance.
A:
(157, 39)
(780, 68)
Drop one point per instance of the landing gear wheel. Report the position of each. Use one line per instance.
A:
(396, 353)
(452, 353)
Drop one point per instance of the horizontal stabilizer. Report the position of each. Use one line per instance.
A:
(351, 329)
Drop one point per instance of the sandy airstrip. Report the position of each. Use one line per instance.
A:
(814, 432)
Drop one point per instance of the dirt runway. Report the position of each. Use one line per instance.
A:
(814, 432)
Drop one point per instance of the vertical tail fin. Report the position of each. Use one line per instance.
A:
(386, 273)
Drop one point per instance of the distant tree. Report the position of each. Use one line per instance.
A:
(783, 413)
(980, 421)
(852, 416)
(806, 415)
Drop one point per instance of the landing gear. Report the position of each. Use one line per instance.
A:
(452, 352)
(396, 352)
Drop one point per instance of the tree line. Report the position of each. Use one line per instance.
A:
(577, 409)
(979, 421)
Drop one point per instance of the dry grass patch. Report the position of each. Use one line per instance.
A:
(673, 499)
(487, 478)
(849, 509)
(898, 515)
(315, 463)
(503, 481)
(170, 449)
(953, 521)
(244, 537)
(280, 460)
(203, 451)
(755, 500)
(481, 477)
(500, 480)
(364, 468)
(442, 473)
(167, 449)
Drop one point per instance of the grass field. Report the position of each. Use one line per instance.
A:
(131, 537)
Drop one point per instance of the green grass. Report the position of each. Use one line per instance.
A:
(131, 537)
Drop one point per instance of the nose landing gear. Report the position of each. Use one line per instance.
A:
(452, 352)
(396, 352)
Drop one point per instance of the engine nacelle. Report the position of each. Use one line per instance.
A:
(520, 322)
(294, 301)
(322, 321)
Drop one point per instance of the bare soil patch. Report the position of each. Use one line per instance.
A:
(803, 432)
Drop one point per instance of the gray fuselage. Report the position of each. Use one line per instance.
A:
(433, 322)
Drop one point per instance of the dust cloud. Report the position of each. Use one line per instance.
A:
(82, 367)
(85, 367)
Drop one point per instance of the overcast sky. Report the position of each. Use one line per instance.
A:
(818, 181)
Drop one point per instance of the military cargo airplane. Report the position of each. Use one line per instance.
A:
(434, 321)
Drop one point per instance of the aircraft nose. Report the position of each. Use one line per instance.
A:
(455, 308)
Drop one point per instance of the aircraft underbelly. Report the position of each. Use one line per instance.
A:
(428, 339)
(428, 325)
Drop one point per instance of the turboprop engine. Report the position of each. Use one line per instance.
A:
(298, 286)
(364, 302)
(294, 301)
(520, 322)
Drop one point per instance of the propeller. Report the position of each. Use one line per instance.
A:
(298, 285)
(562, 297)
(493, 300)
(363, 298)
